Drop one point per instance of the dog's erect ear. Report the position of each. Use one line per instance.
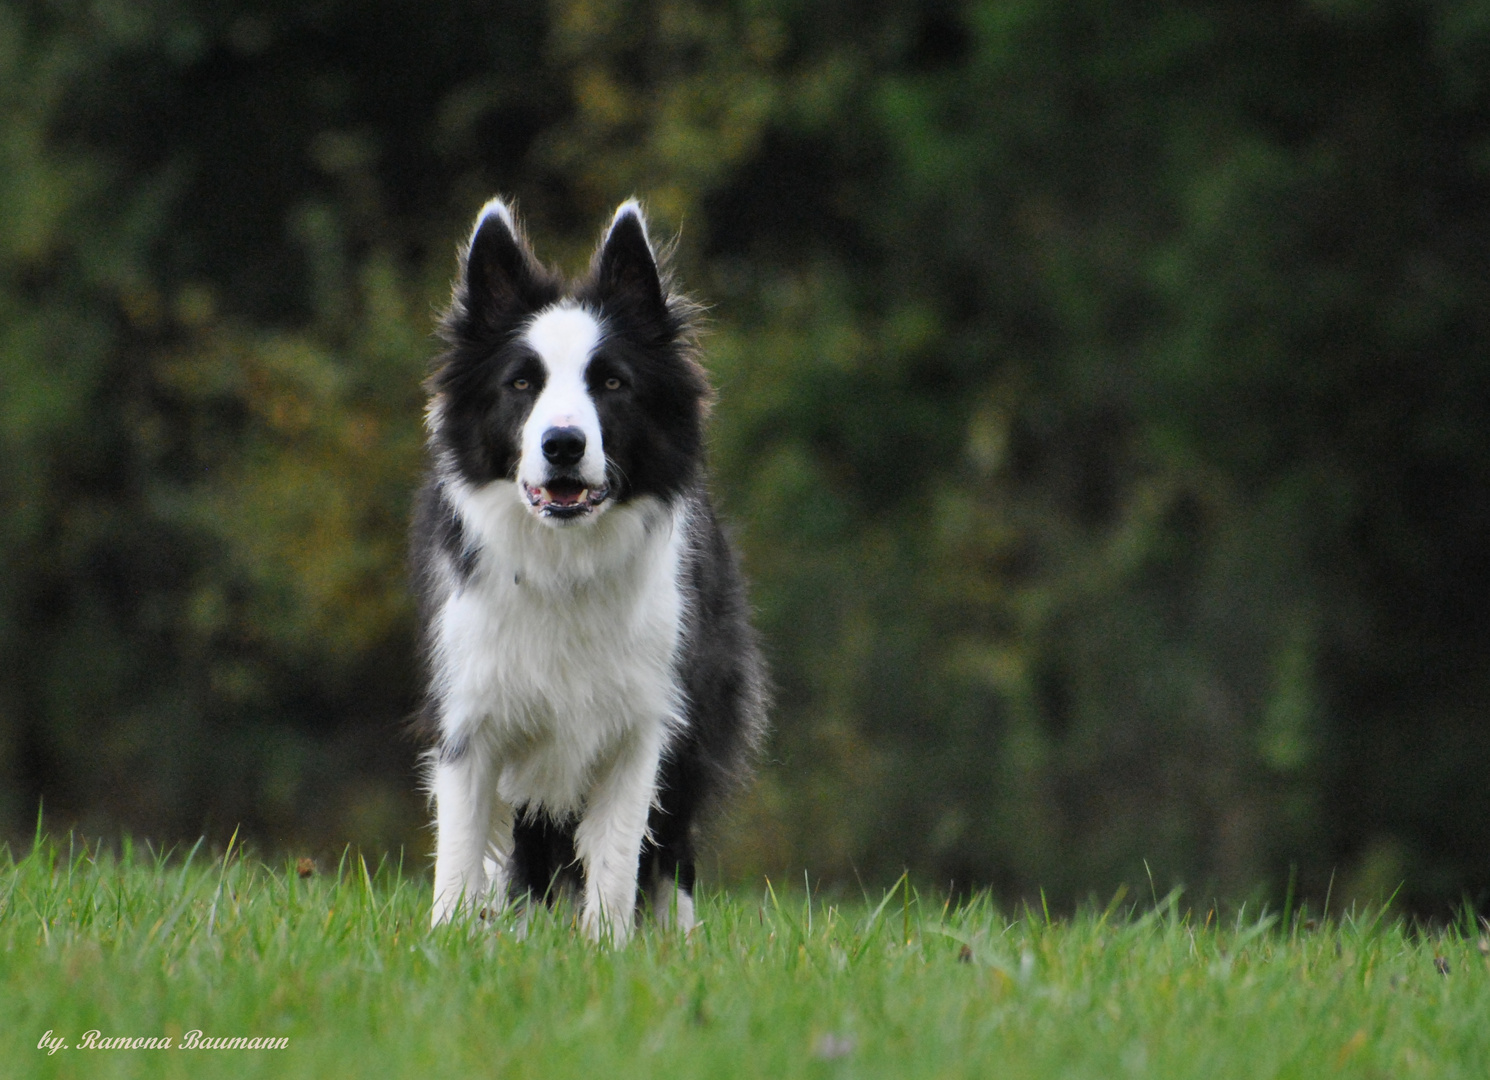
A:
(500, 274)
(626, 269)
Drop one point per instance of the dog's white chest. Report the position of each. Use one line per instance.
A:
(562, 644)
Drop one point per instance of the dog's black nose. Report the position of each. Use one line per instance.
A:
(563, 446)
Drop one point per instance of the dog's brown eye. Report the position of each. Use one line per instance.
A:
(520, 384)
(613, 383)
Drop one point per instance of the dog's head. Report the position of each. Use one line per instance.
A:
(582, 395)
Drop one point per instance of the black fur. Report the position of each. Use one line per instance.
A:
(543, 860)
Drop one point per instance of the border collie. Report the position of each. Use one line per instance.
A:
(594, 681)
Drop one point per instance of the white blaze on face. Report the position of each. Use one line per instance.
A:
(564, 339)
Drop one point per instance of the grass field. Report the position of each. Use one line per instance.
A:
(342, 965)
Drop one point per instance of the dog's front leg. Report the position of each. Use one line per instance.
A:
(473, 836)
(608, 839)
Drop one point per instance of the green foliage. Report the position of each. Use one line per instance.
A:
(343, 965)
(1162, 301)
(1102, 411)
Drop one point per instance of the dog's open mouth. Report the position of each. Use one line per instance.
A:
(564, 497)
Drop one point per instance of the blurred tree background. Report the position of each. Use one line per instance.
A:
(1105, 411)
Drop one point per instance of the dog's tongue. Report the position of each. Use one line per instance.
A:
(566, 492)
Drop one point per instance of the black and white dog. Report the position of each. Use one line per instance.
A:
(594, 681)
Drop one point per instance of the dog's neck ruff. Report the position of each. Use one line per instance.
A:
(559, 650)
(514, 544)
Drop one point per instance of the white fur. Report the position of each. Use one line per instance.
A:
(672, 905)
(498, 208)
(564, 338)
(554, 666)
(633, 207)
(474, 831)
